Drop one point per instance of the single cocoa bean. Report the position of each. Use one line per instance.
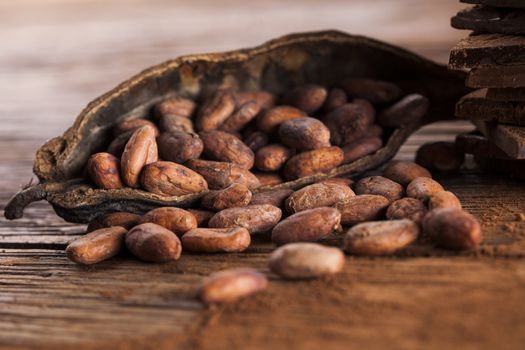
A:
(443, 199)
(256, 140)
(272, 157)
(229, 285)
(348, 123)
(336, 98)
(313, 162)
(409, 109)
(222, 146)
(153, 243)
(222, 174)
(264, 99)
(374, 130)
(323, 194)
(104, 171)
(176, 220)
(375, 91)
(179, 147)
(202, 216)
(140, 150)
(407, 208)
(423, 187)
(126, 220)
(272, 197)
(117, 145)
(270, 120)
(235, 195)
(175, 105)
(215, 110)
(440, 156)
(308, 98)
(268, 179)
(173, 123)
(241, 117)
(360, 148)
(306, 260)
(380, 237)
(304, 134)
(172, 179)
(254, 218)
(403, 172)
(130, 125)
(96, 246)
(216, 240)
(452, 228)
(379, 185)
(307, 226)
(364, 207)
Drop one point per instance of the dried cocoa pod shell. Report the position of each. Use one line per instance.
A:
(223, 146)
(375, 91)
(179, 146)
(120, 218)
(310, 58)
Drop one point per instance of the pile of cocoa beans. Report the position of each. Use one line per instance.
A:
(313, 131)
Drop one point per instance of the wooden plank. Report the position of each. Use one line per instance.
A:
(496, 77)
(476, 106)
(486, 19)
(488, 50)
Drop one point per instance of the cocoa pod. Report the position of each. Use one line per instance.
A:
(403, 172)
(440, 156)
(304, 134)
(307, 226)
(443, 199)
(222, 146)
(174, 219)
(380, 237)
(270, 120)
(364, 207)
(423, 187)
(272, 157)
(222, 174)
(130, 125)
(348, 123)
(306, 260)
(313, 162)
(140, 150)
(272, 197)
(173, 123)
(171, 179)
(96, 246)
(452, 228)
(336, 98)
(153, 243)
(215, 240)
(235, 195)
(409, 109)
(175, 105)
(323, 194)
(179, 147)
(123, 219)
(379, 185)
(360, 148)
(215, 110)
(104, 171)
(407, 208)
(308, 98)
(229, 285)
(375, 91)
(241, 117)
(254, 218)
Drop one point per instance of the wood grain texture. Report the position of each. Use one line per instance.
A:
(58, 55)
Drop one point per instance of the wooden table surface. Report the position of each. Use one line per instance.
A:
(57, 55)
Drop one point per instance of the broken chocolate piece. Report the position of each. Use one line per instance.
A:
(510, 138)
(497, 3)
(476, 144)
(497, 77)
(506, 94)
(486, 19)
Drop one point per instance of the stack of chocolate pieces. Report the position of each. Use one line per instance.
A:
(494, 55)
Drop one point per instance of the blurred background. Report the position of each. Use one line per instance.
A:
(57, 55)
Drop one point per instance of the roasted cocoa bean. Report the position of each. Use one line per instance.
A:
(254, 218)
(323, 194)
(229, 285)
(176, 220)
(336, 98)
(256, 140)
(306, 260)
(264, 99)
(153, 243)
(104, 171)
(241, 117)
(360, 148)
(179, 146)
(175, 105)
(130, 125)
(304, 134)
(215, 110)
(364, 207)
(313, 162)
(407, 208)
(307, 226)
(202, 216)
(380, 237)
(117, 145)
(272, 197)
(140, 150)
(440, 156)
(452, 228)
(443, 199)
(221, 174)
(272, 157)
(409, 109)
(222, 146)
(96, 246)
(270, 120)
(422, 188)
(375, 91)
(348, 123)
(171, 179)
(308, 98)
(268, 179)
(403, 172)
(235, 195)
(216, 240)
(379, 185)
(173, 123)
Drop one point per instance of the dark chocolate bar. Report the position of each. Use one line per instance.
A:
(476, 144)
(506, 94)
(510, 138)
(476, 106)
(496, 77)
